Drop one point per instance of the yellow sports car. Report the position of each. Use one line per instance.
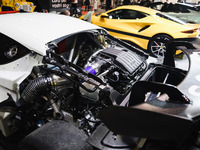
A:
(144, 27)
(16, 5)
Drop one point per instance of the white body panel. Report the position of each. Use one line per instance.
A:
(35, 30)
(12, 74)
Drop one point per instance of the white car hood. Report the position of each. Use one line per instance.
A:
(35, 30)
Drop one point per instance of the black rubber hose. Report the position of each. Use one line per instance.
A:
(35, 88)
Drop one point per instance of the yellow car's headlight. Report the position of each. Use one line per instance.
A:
(16, 4)
(31, 4)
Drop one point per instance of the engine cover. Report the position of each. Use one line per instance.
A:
(125, 59)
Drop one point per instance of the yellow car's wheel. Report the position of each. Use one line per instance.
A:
(157, 45)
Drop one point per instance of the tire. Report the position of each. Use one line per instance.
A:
(157, 45)
(56, 135)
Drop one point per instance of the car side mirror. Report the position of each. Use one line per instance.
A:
(104, 15)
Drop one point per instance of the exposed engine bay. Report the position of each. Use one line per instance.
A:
(75, 81)
(69, 81)
(118, 68)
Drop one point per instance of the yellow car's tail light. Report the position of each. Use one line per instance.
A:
(190, 31)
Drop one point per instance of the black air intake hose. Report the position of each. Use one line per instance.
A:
(35, 88)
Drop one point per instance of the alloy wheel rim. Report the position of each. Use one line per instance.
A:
(158, 48)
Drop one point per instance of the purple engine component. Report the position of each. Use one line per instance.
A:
(90, 70)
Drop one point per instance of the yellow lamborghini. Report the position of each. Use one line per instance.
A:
(144, 27)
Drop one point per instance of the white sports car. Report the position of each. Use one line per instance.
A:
(62, 80)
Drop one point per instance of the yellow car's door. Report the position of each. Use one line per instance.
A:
(124, 24)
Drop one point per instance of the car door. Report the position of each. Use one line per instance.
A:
(123, 23)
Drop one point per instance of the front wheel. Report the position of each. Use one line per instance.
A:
(157, 45)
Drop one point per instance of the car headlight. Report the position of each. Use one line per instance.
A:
(16, 4)
(31, 4)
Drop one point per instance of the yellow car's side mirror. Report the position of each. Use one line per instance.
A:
(104, 15)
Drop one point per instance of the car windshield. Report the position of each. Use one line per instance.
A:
(168, 17)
